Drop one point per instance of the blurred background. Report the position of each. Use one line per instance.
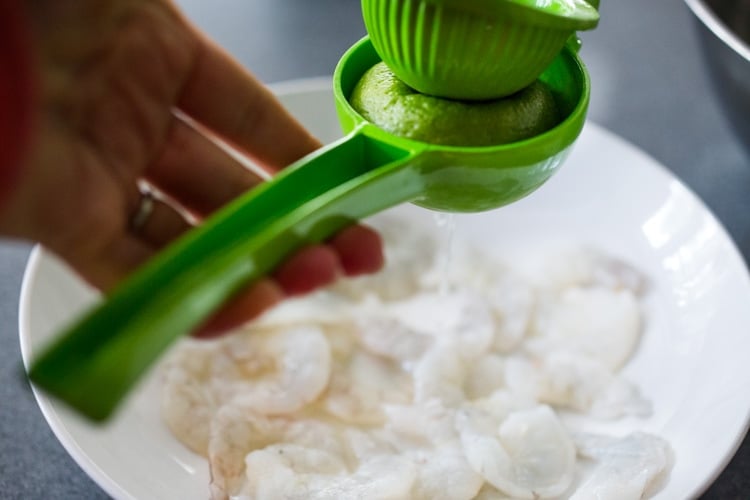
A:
(650, 86)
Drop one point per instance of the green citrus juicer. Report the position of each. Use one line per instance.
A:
(473, 49)
(94, 363)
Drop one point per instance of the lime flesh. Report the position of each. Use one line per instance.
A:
(383, 99)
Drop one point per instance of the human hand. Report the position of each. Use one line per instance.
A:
(115, 79)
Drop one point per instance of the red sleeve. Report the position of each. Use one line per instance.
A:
(16, 91)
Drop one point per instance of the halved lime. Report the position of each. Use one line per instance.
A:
(383, 99)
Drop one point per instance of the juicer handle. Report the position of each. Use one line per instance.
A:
(94, 363)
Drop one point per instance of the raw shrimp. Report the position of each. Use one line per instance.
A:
(512, 302)
(530, 456)
(369, 442)
(573, 381)
(462, 316)
(469, 267)
(289, 471)
(362, 384)
(279, 371)
(465, 334)
(389, 337)
(628, 468)
(237, 430)
(297, 473)
(600, 323)
(489, 492)
(501, 403)
(444, 473)
(579, 266)
(382, 477)
(485, 376)
(509, 297)
(188, 402)
(474, 327)
(426, 434)
(429, 424)
(440, 375)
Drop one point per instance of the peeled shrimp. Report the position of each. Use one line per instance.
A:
(440, 375)
(485, 376)
(382, 477)
(389, 337)
(238, 430)
(577, 266)
(628, 468)
(297, 473)
(530, 456)
(501, 403)
(288, 471)
(489, 492)
(463, 317)
(474, 328)
(426, 435)
(512, 301)
(422, 425)
(279, 371)
(444, 473)
(459, 359)
(188, 402)
(365, 443)
(600, 323)
(235, 432)
(509, 297)
(573, 381)
(361, 385)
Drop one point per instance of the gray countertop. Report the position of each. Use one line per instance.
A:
(649, 86)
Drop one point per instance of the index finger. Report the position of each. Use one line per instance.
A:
(224, 97)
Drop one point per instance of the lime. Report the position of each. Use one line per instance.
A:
(383, 99)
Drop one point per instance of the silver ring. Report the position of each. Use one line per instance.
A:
(144, 210)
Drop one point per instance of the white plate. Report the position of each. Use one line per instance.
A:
(692, 362)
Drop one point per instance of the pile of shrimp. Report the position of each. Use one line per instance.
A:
(427, 381)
